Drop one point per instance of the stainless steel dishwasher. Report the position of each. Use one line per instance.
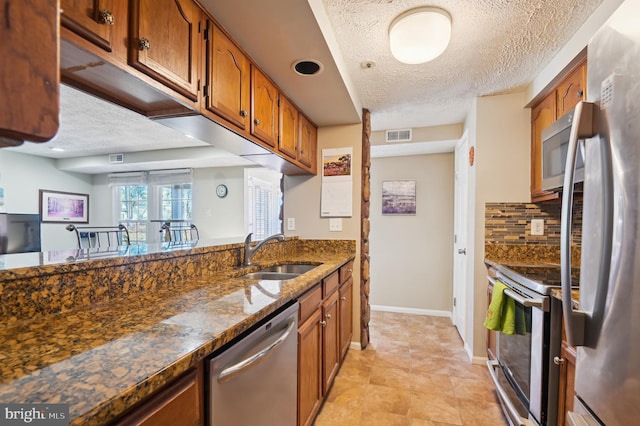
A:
(254, 381)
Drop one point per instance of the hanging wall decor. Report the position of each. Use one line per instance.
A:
(399, 197)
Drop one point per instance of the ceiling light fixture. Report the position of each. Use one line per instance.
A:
(420, 35)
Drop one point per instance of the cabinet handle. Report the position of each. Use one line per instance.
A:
(343, 298)
(243, 113)
(557, 360)
(106, 17)
(323, 323)
(257, 121)
(144, 44)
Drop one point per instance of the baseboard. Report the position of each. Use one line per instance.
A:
(355, 346)
(412, 311)
(481, 360)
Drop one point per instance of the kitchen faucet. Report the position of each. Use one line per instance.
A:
(250, 251)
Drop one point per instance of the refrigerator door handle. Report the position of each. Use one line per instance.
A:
(582, 127)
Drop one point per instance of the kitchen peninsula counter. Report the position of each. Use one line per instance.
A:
(103, 334)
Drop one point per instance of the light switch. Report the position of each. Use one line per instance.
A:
(291, 224)
(537, 226)
(335, 224)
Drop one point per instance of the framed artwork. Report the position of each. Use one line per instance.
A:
(399, 197)
(63, 207)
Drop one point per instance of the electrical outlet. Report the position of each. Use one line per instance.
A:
(537, 226)
(291, 224)
(335, 224)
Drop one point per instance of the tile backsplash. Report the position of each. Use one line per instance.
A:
(508, 232)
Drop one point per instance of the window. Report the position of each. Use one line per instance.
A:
(263, 203)
(144, 199)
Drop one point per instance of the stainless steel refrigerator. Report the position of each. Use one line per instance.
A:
(606, 328)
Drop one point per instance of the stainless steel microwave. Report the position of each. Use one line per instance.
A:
(555, 143)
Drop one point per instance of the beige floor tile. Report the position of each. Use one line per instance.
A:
(481, 413)
(431, 383)
(401, 360)
(337, 414)
(429, 364)
(469, 371)
(473, 389)
(384, 419)
(384, 399)
(392, 377)
(347, 391)
(434, 407)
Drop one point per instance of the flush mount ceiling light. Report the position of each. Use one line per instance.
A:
(420, 35)
(307, 67)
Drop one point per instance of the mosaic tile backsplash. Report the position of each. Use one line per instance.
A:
(508, 232)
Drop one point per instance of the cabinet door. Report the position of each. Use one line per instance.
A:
(309, 368)
(91, 19)
(346, 314)
(179, 403)
(30, 81)
(307, 142)
(571, 90)
(567, 379)
(288, 137)
(542, 116)
(165, 42)
(228, 79)
(264, 108)
(330, 339)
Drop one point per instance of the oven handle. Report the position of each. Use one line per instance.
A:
(524, 301)
(511, 411)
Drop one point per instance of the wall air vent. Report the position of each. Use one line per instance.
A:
(403, 135)
(116, 158)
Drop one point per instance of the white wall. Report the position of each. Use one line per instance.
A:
(499, 129)
(302, 202)
(22, 176)
(412, 256)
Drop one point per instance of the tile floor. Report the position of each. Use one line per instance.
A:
(415, 372)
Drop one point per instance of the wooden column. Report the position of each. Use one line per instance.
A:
(364, 236)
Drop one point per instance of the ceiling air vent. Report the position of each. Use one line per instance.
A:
(399, 135)
(116, 158)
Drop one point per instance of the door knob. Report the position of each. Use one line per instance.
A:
(557, 360)
(462, 251)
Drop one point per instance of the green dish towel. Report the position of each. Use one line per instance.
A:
(503, 314)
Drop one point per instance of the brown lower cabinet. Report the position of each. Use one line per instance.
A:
(180, 403)
(566, 391)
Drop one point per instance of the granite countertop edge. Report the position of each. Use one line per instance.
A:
(229, 322)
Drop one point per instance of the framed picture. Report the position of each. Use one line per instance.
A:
(399, 197)
(63, 207)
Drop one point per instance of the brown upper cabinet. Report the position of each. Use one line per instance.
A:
(29, 78)
(227, 89)
(288, 140)
(264, 108)
(307, 143)
(164, 42)
(91, 19)
(560, 100)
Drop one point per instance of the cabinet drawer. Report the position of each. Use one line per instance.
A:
(309, 303)
(330, 284)
(346, 271)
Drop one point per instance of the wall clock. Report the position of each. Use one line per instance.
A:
(222, 190)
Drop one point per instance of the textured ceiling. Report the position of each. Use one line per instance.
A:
(497, 46)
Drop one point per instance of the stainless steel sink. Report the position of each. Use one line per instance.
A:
(280, 272)
(290, 268)
(274, 276)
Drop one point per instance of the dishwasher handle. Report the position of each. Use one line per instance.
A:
(247, 363)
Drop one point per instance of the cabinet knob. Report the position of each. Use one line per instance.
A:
(343, 298)
(323, 323)
(144, 44)
(580, 93)
(106, 17)
(557, 360)
(257, 121)
(243, 113)
(328, 316)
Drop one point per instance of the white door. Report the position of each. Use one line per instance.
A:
(460, 235)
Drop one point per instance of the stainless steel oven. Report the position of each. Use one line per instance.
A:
(524, 374)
